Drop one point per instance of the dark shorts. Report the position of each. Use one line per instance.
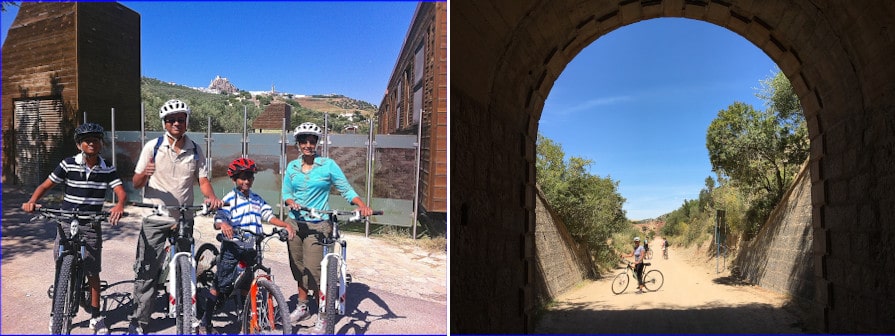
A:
(93, 259)
(231, 255)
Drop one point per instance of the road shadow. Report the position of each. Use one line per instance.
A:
(731, 281)
(359, 321)
(712, 318)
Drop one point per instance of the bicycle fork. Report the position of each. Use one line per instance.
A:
(172, 284)
(344, 278)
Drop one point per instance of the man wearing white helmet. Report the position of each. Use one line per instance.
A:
(638, 255)
(168, 167)
(306, 182)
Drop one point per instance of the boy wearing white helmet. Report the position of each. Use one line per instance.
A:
(306, 182)
(168, 167)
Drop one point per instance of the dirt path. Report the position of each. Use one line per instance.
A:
(396, 289)
(693, 299)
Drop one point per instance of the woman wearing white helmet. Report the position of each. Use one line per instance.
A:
(307, 182)
(638, 255)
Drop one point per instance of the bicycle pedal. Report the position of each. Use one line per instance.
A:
(347, 278)
(50, 291)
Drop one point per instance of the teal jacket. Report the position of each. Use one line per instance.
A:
(311, 189)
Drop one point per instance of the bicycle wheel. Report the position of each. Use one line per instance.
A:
(206, 260)
(184, 306)
(620, 283)
(64, 296)
(653, 280)
(665, 254)
(265, 310)
(330, 295)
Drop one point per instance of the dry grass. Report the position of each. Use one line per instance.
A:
(404, 236)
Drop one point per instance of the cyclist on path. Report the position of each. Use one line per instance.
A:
(638, 255)
(87, 177)
(247, 210)
(307, 182)
(168, 167)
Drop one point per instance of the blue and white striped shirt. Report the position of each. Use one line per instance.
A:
(85, 188)
(244, 212)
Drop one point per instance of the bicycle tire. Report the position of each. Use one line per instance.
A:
(184, 306)
(206, 260)
(665, 254)
(270, 310)
(653, 280)
(330, 295)
(620, 283)
(63, 300)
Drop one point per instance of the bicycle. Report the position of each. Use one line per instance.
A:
(181, 283)
(70, 275)
(665, 252)
(652, 280)
(334, 276)
(264, 308)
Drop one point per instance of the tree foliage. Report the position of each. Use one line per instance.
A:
(756, 155)
(589, 205)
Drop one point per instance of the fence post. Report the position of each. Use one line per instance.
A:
(416, 189)
(283, 162)
(114, 156)
(369, 177)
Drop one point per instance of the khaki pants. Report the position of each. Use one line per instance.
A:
(306, 252)
(150, 256)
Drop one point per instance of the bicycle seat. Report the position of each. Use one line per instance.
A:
(647, 264)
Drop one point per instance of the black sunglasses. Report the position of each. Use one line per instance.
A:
(172, 120)
(246, 175)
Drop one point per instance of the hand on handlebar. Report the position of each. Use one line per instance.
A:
(226, 229)
(365, 211)
(29, 207)
(214, 203)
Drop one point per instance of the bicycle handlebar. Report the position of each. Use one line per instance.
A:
(355, 214)
(159, 209)
(282, 233)
(70, 214)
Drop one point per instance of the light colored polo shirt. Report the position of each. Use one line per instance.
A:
(175, 173)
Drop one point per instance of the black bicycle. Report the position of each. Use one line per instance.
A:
(70, 289)
(334, 277)
(178, 272)
(264, 308)
(652, 279)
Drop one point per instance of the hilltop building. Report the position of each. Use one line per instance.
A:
(271, 120)
(416, 96)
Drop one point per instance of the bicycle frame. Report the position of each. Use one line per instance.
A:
(343, 278)
(181, 245)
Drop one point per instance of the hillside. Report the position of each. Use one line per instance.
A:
(226, 110)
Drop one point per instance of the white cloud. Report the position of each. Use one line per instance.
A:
(587, 105)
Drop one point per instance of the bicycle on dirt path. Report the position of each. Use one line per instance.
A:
(652, 280)
(178, 272)
(70, 278)
(264, 308)
(334, 277)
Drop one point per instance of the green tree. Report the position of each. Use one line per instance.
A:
(760, 151)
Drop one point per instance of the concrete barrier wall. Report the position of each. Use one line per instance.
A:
(561, 263)
(780, 256)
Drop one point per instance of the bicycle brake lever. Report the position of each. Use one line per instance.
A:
(314, 214)
(160, 210)
(356, 216)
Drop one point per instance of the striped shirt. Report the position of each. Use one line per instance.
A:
(85, 187)
(244, 212)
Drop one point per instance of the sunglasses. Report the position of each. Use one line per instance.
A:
(246, 175)
(173, 120)
(307, 140)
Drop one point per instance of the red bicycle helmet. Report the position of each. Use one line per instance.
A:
(241, 165)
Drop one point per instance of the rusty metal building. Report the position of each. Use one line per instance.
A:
(417, 93)
(59, 61)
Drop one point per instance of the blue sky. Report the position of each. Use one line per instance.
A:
(638, 102)
(348, 48)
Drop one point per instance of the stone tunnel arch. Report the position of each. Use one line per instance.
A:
(506, 55)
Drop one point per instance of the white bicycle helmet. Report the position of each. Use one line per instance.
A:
(307, 128)
(174, 106)
(637, 239)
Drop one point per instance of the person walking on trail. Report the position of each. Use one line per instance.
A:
(307, 182)
(638, 255)
(168, 168)
(246, 210)
(665, 247)
(87, 177)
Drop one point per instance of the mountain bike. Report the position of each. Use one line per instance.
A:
(334, 277)
(264, 309)
(70, 289)
(652, 279)
(178, 272)
(665, 252)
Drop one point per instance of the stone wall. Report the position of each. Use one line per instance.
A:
(780, 256)
(561, 262)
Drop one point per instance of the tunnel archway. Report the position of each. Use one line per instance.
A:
(505, 57)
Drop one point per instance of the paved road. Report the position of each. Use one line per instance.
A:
(396, 289)
(694, 299)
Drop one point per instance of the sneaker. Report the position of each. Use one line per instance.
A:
(319, 327)
(98, 325)
(50, 327)
(135, 329)
(300, 313)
